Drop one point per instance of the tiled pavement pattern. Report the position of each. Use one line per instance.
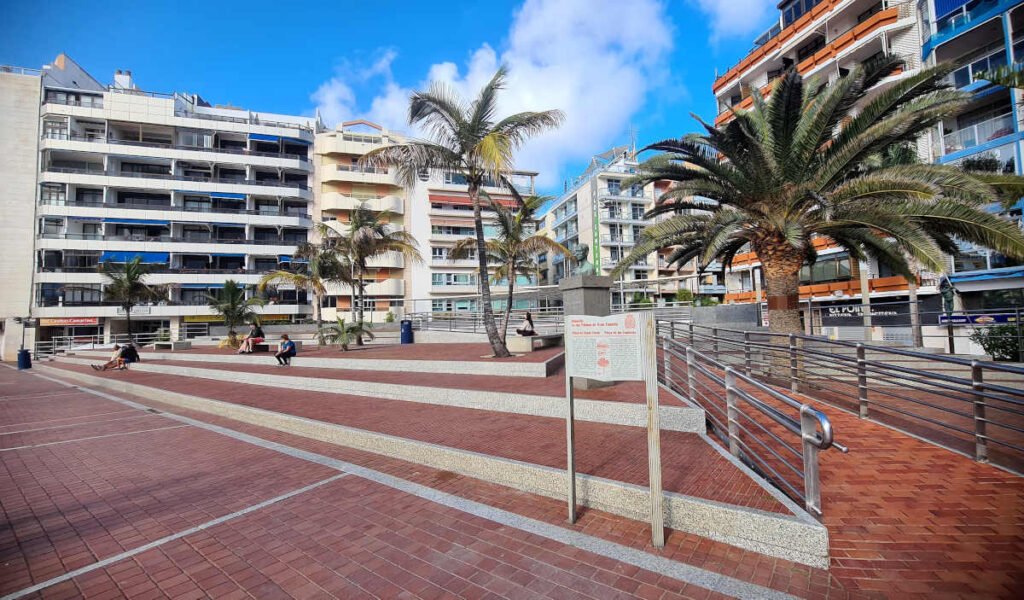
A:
(450, 352)
(690, 467)
(349, 538)
(626, 391)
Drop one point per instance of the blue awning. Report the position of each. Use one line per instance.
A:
(985, 276)
(284, 258)
(227, 196)
(262, 137)
(944, 7)
(229, 255)
(227, 224)
(201, 286)
(92, 219)
(296, 141)
(126, 256)
(137, 222)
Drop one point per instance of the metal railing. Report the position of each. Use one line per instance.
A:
(977, 134)
(228, 180)
(770, 431)
(142, 144)
(545, 321)
(263, 212)
(68, 343)
(972, 407)
(166, 238)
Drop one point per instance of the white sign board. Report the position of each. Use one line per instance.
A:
(604, 348)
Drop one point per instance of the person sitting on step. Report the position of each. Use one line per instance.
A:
(255, 336)
(286, 350)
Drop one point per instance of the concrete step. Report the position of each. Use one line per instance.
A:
(707, 492)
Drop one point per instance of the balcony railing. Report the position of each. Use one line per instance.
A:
(199, 209)
(240, 151)
(968, 74)
(165, 238)
(228, 180)
(977, 134)
(362, 169)
(623, 193)
(618, 239)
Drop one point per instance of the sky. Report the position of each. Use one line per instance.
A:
(619, 69)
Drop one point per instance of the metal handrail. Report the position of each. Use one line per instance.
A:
(115, 141)
(976, 412)
(170, 208)
(749, 417)
(227, 180)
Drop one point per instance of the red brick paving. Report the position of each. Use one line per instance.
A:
(448, 352)
(610, 451)
(625, 391)
(59, 431)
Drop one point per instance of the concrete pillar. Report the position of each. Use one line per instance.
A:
(175, 328)
(587, 295)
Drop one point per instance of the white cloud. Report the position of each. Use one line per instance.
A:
(735, 18)
(593, 59)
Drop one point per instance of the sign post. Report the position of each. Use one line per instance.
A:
(616, 348)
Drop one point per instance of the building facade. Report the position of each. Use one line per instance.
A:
(199, 193)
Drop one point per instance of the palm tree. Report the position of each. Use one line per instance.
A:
(369, 234)
(804, 164)
(230, 303)
(468, 139)
(513, 249)
(320, 266)
(126, 285)
(343, 333)
(1011, 76)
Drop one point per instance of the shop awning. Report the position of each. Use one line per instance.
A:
(228, 224)
(229, 255)
(126, 256)
(459, 200)
(284, 258)
(137, 222)
(202, 286)
(227, 196)
(988, 275)
(262, 137)
(90, 219)
(296, 141)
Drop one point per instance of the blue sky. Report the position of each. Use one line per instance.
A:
(613, 66)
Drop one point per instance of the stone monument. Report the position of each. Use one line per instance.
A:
(586, 293)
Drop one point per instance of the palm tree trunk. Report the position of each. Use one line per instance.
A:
(508, 305)
(496, 341)
(128, 317)
(317, 302)
(781, 265)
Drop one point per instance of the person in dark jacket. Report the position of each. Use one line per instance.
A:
(255, 336)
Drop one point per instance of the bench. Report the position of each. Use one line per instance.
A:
(529, 343)
(172, 346)
(266, 347)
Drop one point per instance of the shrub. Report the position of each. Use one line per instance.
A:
(684, 295)
(1001, 342)
(641, 300)
(390, 317)
(705, 301)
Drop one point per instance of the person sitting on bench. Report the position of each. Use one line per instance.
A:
(527, 328)
(254, 337)
(285, 351)
(116, 360)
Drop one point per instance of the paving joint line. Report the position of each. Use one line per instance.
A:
(632, 556)
(94, 437)
(113, 412)
(170, 538)
(77, 424)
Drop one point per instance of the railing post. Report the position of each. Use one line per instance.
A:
(862, 381)
(980, 438)
(691, 333)
(667, 362)
(672, 330)
(793, 368)
(714, 342)
(732, 411)
(809, 437)
(747, 359)
(691, 378)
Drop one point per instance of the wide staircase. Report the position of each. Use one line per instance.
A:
(749, 465)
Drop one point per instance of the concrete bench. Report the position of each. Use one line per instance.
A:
(266, 347)
(529, 343)
(172, 346)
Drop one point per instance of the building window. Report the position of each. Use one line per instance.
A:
(53, 193)
(89, 196)
(53, 226)
(55, 130)
(828, 268)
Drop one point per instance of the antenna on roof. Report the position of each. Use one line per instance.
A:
(632, 142)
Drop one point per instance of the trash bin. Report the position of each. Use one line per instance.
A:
(407, 337)
(24, 360)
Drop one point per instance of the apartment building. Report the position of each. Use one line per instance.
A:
(200, 193)
(342, 186)
(597, 209)
(979, 36)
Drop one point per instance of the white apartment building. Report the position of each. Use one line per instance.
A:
(597, 209)
(201, 193)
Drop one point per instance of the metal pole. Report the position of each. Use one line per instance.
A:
(570, 459)
(732, 411)
(650, 370)
(809, 435)
(862, 381)
(980, 438)
(714, 342)
(1020, 337)
(747, 360)
(691, 379)
(793, 386)
(667, 362)
(691, 332)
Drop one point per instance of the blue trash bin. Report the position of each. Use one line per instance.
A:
(407, 337)
(24, 360)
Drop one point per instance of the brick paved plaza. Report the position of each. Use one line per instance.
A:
(125, 484)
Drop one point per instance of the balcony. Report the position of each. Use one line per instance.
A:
(340, 201)
(711, 289)
(357, 174)
(618, 240)
(105, 208)
(968, 74)
(962, 20)
(260, 184)
(562, 219)
(977, 134)
(623, 217)
(53, 308)
(50, 140)
(380, 287)
(455, 289)
(152, 239)
(623, 194)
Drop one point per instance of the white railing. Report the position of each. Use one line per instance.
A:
(978, 134)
